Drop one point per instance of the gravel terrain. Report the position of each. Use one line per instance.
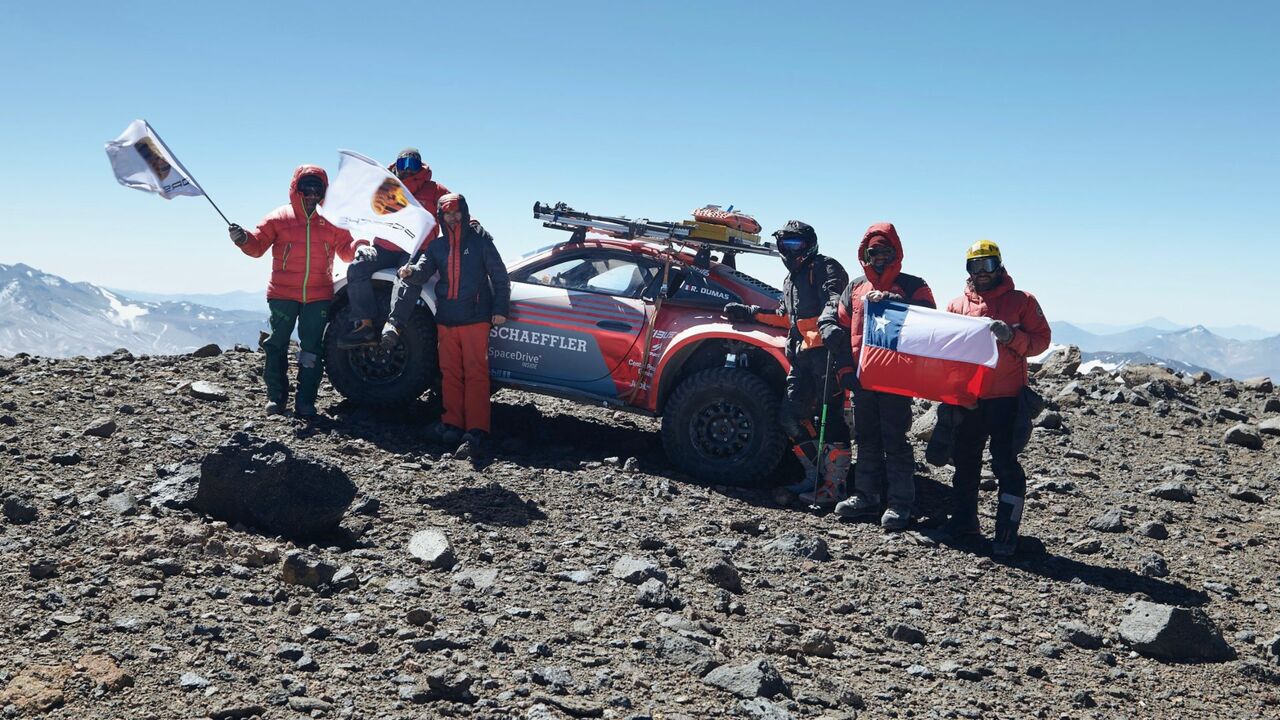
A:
(577, 576)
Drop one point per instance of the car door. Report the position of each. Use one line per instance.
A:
(574, 319)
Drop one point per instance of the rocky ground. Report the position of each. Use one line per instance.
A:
(577, 575)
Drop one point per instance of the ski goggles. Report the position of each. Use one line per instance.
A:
(982, 265)
(792, 243)
(411, 163)
(883, 251)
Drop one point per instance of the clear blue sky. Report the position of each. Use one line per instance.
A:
(1125, 155)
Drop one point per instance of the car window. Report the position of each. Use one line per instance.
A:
(611, 274)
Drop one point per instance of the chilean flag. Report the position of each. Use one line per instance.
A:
(925, 353)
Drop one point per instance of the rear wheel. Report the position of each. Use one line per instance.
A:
(372, 376)
(721, 426)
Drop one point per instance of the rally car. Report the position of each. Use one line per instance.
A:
(624, 318)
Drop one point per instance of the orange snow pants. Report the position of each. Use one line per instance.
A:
(464, 367)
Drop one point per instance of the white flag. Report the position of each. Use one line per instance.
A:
(141, 160)
(369, 201)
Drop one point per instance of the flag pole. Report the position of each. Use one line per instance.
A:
(185, 171)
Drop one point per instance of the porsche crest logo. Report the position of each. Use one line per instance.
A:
(389, 198)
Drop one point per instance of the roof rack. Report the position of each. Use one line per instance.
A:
(702, 236)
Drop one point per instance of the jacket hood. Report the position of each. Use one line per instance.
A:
(1002, 287)
(295, 198)
(881, 281)
(462, 205)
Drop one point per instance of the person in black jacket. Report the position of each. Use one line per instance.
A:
(472, 296)
(813, 280)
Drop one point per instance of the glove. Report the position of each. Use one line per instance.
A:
(366, 253)
(737, 312)
(876, 296)
(237, 233)
(1002, 331)
(849, 381)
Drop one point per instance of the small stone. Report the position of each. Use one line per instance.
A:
(1082, 699)
(1154, 530)
(102, 427)
(1243, 494)
(122, 504)
(637, 570)
(799, 545)
(207, 351)
(191, 681)
(1246, 436)
(1259, 385)
(1271, 426)
(1173, 490)
(1171, 633)
(42, 568)
(1153, 565)
(577, 577)
(432, 547)
(723, 574)
(302, 568)
(1111, 520)
(653, 593)
(18, 511)
(66, 459)
(755, 679)
(909, 634)
(818, 643)
(1079, 634)
(1087, 546)
(203, 390)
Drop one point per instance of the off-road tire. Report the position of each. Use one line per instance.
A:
(721, 427)
(369, 376)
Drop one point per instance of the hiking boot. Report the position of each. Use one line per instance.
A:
(444, 434)
(895, 520)
(305, 410)
(363, 334)
(275, 407)
(858, 506)
(962, 528)
(1004, 548)
(390, 338)
(472, 447)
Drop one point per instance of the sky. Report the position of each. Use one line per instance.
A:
(1125, 156)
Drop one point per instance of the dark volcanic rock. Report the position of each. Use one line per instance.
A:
(207, 351)
(263, 485)
(102, 427)
(1173, 490)
(723, 574)
(1245, 436)
(1175, 634)
(177, 489)
(19, 512)
(1110, 520)
(800, 545)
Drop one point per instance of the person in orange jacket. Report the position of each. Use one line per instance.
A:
(302, 246)
(382, 254)
(1021, 331)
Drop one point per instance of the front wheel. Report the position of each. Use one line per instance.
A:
(372, 376)
(721, 426)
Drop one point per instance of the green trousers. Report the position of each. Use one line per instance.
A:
(311, 320)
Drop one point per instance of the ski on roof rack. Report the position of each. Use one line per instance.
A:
(690, 233)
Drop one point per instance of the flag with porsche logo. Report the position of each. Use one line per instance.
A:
(366, 199)
(142, 161)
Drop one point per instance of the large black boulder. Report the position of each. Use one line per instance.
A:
(262, 484)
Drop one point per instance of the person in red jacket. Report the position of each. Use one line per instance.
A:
(1021, 330)
(880, 420)
(472, 296)
(383, 254)
(302, 246)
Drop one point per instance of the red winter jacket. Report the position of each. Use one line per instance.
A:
(427, 192)
(1030, 332)
(847, 316)
(302, 248)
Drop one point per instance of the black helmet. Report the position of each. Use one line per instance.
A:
(796, 241)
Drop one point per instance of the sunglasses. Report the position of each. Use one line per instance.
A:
(409, 164)
(982, 265)
(887, 253)
(311, 190)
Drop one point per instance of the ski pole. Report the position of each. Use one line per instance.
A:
(822, 424)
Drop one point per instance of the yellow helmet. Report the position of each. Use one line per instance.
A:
(981, 249)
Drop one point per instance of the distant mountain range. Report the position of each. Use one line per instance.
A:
(235, 300)
(43, 314)
(1195, 346)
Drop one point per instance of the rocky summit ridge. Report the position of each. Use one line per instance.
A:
(577, 576)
